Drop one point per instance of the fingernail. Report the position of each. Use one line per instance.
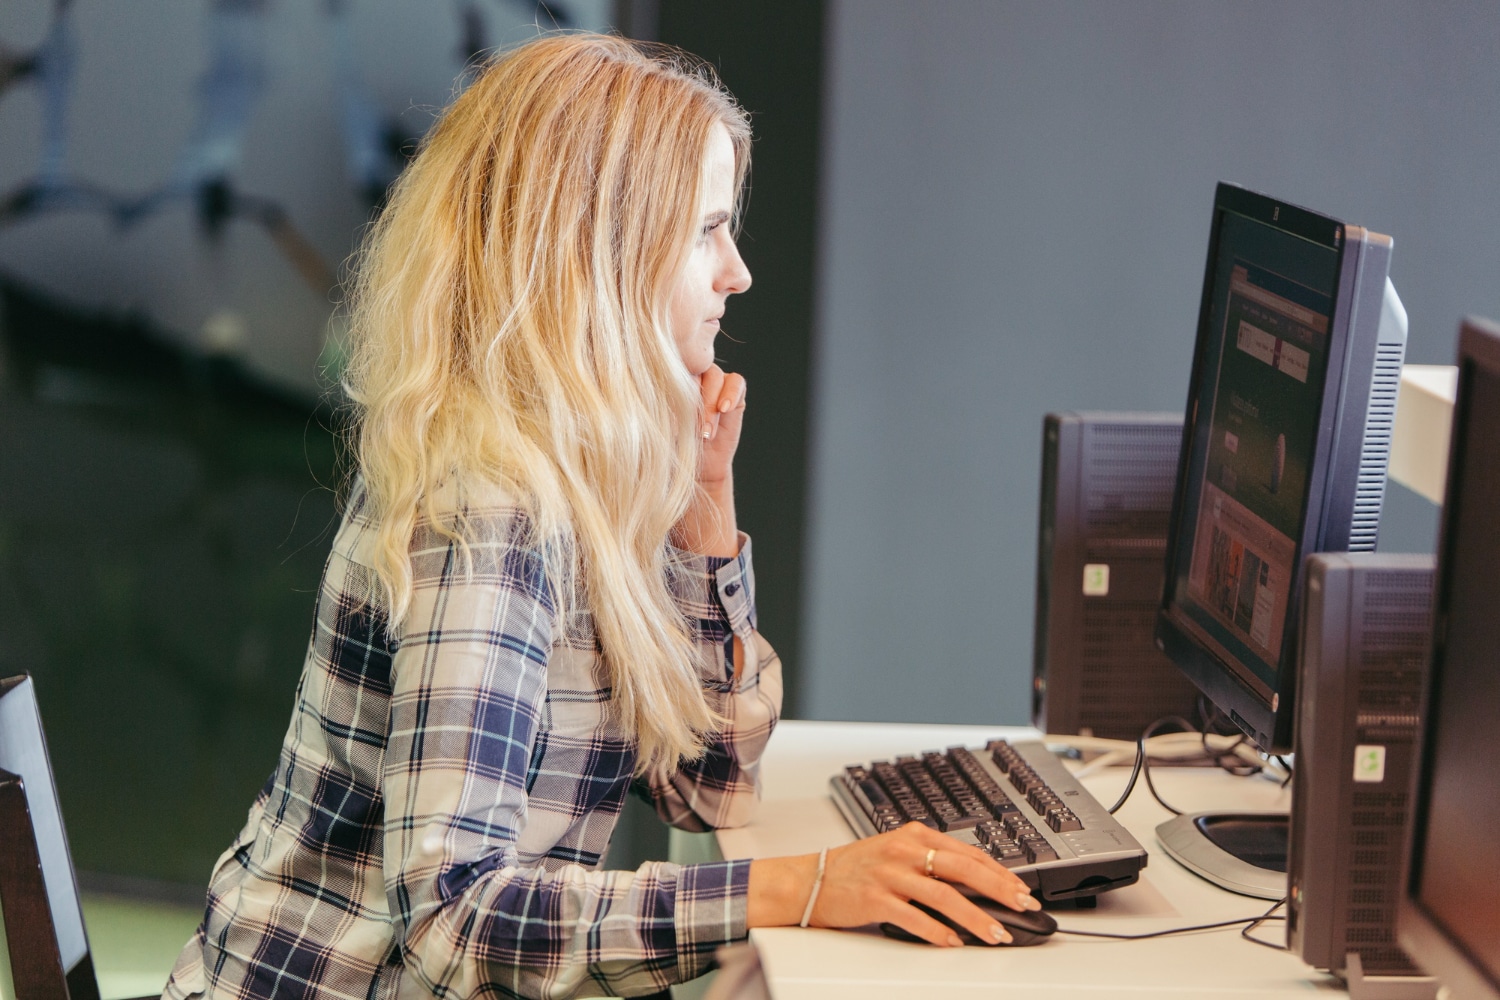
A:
(954, 942)
(998, 934)
(725, 405)
(1031, 903)
(707, 430)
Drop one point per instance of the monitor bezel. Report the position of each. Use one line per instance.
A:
(1266, 716)
(1418, 932)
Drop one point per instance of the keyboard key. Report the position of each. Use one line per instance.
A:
(1063, 820)
(1003, 808)
(867, 790)
(960, 822)
(1042, 798)
(1011, 857)
(1004, 756)
(1017, 826)
(1038, 851)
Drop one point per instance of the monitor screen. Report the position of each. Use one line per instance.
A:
(1248, 469)
(1285, 369)
(1456, 811)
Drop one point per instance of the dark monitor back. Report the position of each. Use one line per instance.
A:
(1285, 444)
(1449, 917)
(23, 752)
(1101, 537)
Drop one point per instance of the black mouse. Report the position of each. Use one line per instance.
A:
(1026, 926)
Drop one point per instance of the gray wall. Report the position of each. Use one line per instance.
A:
(1014, 215)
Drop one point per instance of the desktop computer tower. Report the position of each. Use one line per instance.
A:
(1107, 481)
(1364, 650)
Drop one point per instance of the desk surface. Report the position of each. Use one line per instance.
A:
(797, 817)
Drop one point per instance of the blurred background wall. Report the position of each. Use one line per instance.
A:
(1015, 204)
(963, 215)
(181, 182)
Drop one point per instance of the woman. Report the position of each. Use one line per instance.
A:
(538, 596)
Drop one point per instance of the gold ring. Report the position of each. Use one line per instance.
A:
(931, 853)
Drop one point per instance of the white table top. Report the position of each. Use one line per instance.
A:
(797, 816)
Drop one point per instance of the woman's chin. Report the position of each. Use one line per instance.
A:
(698, 362)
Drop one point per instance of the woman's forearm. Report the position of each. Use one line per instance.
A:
(709, 527)
(779, 890)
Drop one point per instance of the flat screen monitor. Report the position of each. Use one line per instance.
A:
(1448, 917)
(1285, 444)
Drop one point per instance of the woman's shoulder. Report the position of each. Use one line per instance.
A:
(488, 518)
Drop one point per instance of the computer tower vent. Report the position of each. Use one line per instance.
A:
(1366, 631)
(1107, 482)
(1128, 467)
(1375, 455)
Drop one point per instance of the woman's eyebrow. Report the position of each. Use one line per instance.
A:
(715, 218)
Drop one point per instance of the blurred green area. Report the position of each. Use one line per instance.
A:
(164, 518)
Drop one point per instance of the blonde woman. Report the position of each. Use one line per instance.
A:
(538, 599)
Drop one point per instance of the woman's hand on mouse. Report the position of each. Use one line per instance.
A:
(875, 880)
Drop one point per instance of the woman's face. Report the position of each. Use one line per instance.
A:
(714, 270)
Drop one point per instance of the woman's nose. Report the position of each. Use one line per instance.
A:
(734, 277)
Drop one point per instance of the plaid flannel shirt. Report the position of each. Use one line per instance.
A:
(442, 801)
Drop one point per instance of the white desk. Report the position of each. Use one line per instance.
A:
(797, 817)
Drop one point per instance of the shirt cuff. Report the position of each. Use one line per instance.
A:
(734, 580)
(723, 587)
(709, 911)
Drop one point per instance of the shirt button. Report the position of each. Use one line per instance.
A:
(731, 590)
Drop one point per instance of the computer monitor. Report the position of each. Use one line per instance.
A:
(1448, 916)
(1285, 445)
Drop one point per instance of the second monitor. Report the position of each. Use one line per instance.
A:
(1285, 444)
(1286, 441)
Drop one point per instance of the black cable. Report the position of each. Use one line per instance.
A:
(1250, 924)
(1245, 931)
(1235, 766)
(1226, 758)
(1143, 764)
(1135, 772)
(1216, 723)
(1252, 921)
(1287, 767)
(1157, 795)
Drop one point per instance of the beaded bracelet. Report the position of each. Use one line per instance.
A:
(817, 884)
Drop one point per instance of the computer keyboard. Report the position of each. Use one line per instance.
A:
(1014, 800)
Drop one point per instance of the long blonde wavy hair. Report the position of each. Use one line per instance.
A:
(508, 329)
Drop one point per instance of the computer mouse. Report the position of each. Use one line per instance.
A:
(1026, 927)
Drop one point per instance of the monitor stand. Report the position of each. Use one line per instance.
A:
(1241, 852)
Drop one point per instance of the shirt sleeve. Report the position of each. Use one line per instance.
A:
(469, 681)
(722, 787)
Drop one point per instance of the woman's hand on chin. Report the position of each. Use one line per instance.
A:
(709, 528)
(723, 415)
